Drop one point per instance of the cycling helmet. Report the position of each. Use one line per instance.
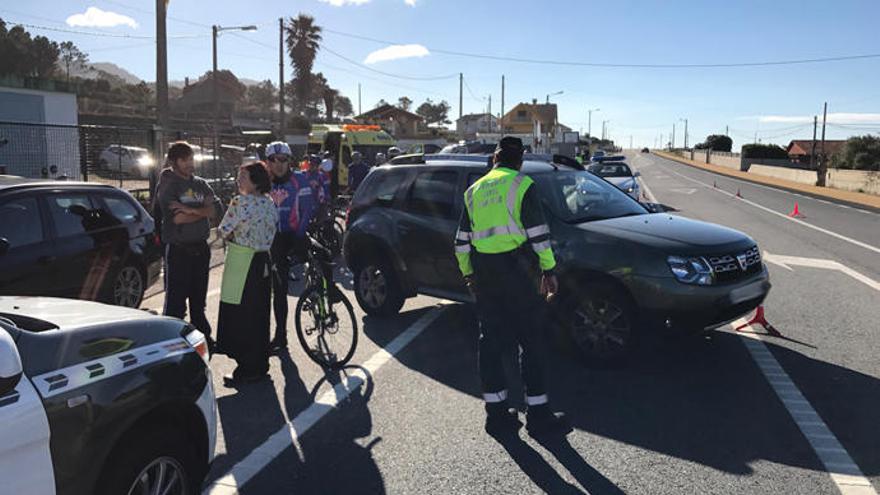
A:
(393, 152)
(278, 148)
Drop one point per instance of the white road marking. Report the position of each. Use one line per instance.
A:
(843, 470)
(785, 261)
(684, 190)
(289, 434)
(782, 215)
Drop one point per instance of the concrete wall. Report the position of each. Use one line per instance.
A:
(854, 180)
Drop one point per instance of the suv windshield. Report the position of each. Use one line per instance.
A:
(610, 169)
(577, 197)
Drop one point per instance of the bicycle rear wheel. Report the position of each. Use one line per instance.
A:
(326, 330)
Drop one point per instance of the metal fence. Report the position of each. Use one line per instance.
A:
(126, 157)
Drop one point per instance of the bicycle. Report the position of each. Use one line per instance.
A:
(328, 228)
(328, 338)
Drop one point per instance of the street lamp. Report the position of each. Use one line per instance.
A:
(604, 122)
(553, 94)
(685, 132)
(215, 30)
(590, 121)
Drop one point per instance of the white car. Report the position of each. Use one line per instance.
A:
(127, 160)
(98, 399)
(619, 174)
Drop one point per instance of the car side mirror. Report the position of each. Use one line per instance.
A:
(10, 363)
(4, 246)
(637, 174)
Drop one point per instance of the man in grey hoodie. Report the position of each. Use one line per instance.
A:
(186, 203)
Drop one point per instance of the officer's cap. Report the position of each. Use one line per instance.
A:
(510, 144)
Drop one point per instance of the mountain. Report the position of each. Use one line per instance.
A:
(93, 71)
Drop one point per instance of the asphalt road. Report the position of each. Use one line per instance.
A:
(687, 416)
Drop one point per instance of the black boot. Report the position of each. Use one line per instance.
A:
(501, 421)
(541, 421)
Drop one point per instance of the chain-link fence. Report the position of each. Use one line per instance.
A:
(126, 157)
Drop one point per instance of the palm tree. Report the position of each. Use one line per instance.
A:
(303, 42)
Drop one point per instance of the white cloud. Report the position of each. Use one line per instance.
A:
(95, 17)
(395, 52)
(340, 3)
(834, 118)
(411, 3)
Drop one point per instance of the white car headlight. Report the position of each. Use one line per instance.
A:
(145, 161)
(690, 270)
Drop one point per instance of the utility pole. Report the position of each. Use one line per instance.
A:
(214, 95)
(359, 99)
(460, 94)
(685, 133)
(283, 121)
(502, 106)
(823, 160)
(672, 146)
(630, 141)
(161, 66)
(727, 131)
(490, 114)
(813, 147)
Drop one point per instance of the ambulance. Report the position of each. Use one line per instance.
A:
(343, 140)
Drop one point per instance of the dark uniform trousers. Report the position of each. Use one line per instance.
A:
(186, 279)
(284, 245)
(510, 311)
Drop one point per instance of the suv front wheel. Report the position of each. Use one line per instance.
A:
(602, 324)
(377, 289)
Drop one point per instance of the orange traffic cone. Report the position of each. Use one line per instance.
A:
(796, 212)
(760, 319)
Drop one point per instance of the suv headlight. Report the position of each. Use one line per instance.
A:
(690, 270)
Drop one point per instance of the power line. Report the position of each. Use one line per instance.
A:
(614, 65)
(480, 100)
(107, 35)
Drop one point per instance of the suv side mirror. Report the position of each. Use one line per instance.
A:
(10, 363)
(4, 246)
(637, 174)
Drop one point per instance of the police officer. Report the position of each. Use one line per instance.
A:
(502, 230)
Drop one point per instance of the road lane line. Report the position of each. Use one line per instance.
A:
(781, 215)
(288, 435)
(843, 470)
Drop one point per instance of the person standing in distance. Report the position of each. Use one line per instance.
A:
(357, 171)
(502, 214)
(187, 204)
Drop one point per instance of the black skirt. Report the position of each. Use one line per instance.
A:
(243, 329)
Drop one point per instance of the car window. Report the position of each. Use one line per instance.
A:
(473, 178)
(70, 213)
(121, 208)
(577, 197)
(378, 189)
(433, 194)
(20, 222)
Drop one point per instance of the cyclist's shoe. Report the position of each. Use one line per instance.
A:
(278, 346)
(501, 421)
(541, 421)
(335, 295)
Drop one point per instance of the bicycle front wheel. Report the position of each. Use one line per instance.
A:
(326, 327)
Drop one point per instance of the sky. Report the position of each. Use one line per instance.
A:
(417, 48)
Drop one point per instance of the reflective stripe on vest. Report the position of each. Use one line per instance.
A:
(513, 227)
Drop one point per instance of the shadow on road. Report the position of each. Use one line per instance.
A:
(701, 399)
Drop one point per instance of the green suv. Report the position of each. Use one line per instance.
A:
(623, 270)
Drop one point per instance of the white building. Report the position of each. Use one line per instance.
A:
(468, 126)
(38, 133)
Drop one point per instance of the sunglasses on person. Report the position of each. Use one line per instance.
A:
(279, 158)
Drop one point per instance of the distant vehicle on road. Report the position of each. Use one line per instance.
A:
(619, 174)
(622, 269)
(131, 161)
(597, 155)
(645, 150)
(96, 399)
(74, 239)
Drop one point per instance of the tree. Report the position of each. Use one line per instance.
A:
(716, 142)
(71, 56)
(24, 56)
(404, 103)
(261, 97)
(303, 43)
(44, 57)
(860, 153)
(769, 151)
(381, 103)
(342, 106)
(434, 113)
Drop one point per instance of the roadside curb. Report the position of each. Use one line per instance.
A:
(860, 200)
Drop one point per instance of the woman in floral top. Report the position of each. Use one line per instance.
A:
(243, 324)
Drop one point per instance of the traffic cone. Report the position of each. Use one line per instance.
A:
(796, 212)
(760, 319)
(738, 195)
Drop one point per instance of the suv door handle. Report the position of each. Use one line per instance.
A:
(45, 260)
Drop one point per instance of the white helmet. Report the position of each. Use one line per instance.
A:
(278, 148)
(394, 151)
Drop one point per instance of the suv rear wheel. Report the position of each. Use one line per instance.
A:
(128, 287)
(377, 289)
(602, 325)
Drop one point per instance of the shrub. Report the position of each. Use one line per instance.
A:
(769, 151)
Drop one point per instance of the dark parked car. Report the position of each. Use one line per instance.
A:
(645, 150)
(621, 267)
(98, 399)
(76, 240)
